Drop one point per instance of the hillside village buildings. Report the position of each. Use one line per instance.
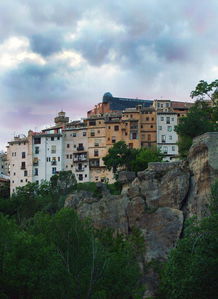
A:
(80, 146)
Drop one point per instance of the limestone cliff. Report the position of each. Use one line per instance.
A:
(157, 200)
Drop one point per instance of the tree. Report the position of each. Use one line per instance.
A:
(191, 270)
(204, 89)
(98, 269)
(200, 119)
(121, 157)
(144, 156)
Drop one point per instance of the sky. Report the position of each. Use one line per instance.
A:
(65, 54)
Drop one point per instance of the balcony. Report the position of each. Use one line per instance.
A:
(36, 163)
(80, 169)
(79, 159)
(80, 148)
(53, 162)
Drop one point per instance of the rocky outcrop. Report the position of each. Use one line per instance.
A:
(157, 200)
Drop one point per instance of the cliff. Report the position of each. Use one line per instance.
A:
(157, 200)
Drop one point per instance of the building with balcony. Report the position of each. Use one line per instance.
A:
(75, 153)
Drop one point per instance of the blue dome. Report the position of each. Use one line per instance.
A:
(106, 97)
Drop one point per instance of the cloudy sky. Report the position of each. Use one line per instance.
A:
(65, 54)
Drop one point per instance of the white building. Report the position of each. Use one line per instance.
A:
(47, 155)
(167, 138)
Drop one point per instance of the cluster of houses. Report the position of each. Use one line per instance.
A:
(80, 146)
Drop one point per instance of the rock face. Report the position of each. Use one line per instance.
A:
(157, 200)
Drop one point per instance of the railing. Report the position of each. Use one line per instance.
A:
(78, 159)
(53, 162)
(80, 148)
(80, 169)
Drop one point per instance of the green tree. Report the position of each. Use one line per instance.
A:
(206, 90)
(120, 156)
(97, 269)
(191, 270)
(200, 119)
(144, 156)
(29, 267)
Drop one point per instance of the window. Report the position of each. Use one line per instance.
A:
(149, 137)
(84, 133)
(67, 156)
(59, 159)
(163, 138)
(74, 134)
(133, 135)
(173, 148)
(165, 149)
(92, 133)
(147, 118)
(168, 120)
(68, 146)
(36, 171)
(151, 126)
(80, 177)
(170, 137)
(116, 128)
(23, 165)
(169, 128)
(92, 122)
(71, 156)
(37, 140)
(58, 138)
(95, 153)
(25, 173)
(53, 149)
(172, 118)
(99, 131)
(23, 155)
(113, 139)
(160, 128)
(52, 138)
(36, 150)
(54, 170)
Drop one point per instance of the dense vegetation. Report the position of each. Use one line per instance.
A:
(121, 157)
(46, 251)
(191, 270)
(201, 118)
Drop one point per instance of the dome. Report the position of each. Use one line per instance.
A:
(106, 97)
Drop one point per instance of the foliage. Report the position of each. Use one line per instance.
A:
(63, 182)
(200, 119)
(144, 156)
(53, 254)
(204, 89)
(5, 190)
(121, 157)
(60, 256)
(115, 188)
(191, 270)
(33, 197)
